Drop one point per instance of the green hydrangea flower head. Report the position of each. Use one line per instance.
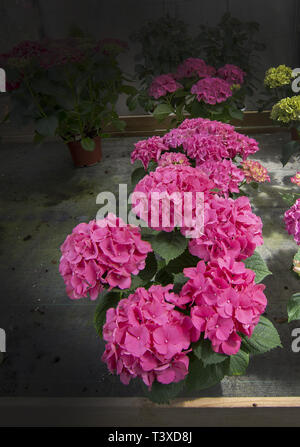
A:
(278, 76)
(286, 110)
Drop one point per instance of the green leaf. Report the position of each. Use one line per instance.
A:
(289, 198)
(201, 377)
(150, 268)
(47, 126)
(106, 301)
(136, 282)
(258, 265)
(163, 277)
(182, 261)
(161, 393)
(137, 175)
(169, 245)
(88, 144)
(238, 363)
(288, 150)
(162, 111)
(264, 338)
(119, 124)
(204, 352)
(293, 307)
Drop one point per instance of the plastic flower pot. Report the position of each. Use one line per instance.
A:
(294, 134)
(82, 157)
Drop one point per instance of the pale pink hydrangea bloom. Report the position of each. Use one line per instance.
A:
(147, 338)
(226, 176)
(147, 150)
(224, 301)
(231, 74)
(230, 229)
(194, 67)
(212, 90)
(168, 180)
(254, 171)
(173, 158)
(163, 84)
(103, 252)
(292, 221)
(296, 179)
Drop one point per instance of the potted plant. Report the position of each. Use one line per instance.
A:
(178, 308)
(198, 90)
(69, 88)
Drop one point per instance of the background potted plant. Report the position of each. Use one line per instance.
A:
(69, 88)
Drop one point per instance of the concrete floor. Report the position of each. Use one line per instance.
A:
(52, 347)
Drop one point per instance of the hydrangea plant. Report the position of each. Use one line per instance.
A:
(197, 89)
(178, 308)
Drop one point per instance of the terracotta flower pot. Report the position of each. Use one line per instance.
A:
(81, 157)
(294, 134)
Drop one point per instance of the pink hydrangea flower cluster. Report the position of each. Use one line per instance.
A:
(254, 171)
(230, 229)
(203, 140)
(166, 214)
(225, 175)
(212, 90)
(231, 74)
(173, 158)
(147, 150)
(224, 301)
(103, 252)
(292, 221)
(296, 179)
(194, 67)
(147, 338)
(163, 84)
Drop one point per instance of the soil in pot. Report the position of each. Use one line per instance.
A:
(82, 157)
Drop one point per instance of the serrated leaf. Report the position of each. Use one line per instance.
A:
(88, 144)
(186, 259)
(264, 338)
(201, 377)
(258, 265)
(204, 352)
(137, 175)
(238, 363)
(293, 307)
(162, 111)
(169, 245)
(150, 267)
(161, 393)
(106, 301)
(289, 198)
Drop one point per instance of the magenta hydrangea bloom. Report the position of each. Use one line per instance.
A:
(163, 84)
(203, 139)
(230, 229)
(231, 74)
(226, 176)
(147, 338)
(292, 221)
(173, 158)
(153, 204)
(224, 300)
(147, 150)
(103, 252)
(212, 90)
(194, 67)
